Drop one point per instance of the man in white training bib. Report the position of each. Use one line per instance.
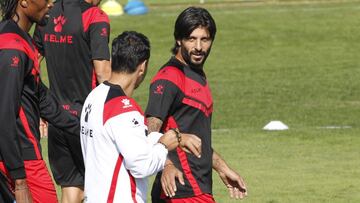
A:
(119, 155)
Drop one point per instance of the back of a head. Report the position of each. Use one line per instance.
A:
(190, 19)
(129, 50)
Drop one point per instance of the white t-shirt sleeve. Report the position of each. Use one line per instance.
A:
(142, 156)
(154, 137)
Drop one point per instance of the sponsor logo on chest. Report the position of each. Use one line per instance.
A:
(59, 37)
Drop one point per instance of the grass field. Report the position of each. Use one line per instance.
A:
(297, 63)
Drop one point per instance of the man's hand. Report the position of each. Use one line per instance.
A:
(168, 176)
(234, 182)
(22, 192)
(188, 142)
(43, 128)
(191, 144)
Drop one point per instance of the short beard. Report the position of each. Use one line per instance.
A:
(187, 59)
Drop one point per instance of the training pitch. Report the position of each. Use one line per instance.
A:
(293, 61)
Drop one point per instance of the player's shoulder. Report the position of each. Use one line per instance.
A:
(11, 40)
(117, 105)
(95, 14)
(120, 107)
(171, 72)
(10, 35)
(14, 44)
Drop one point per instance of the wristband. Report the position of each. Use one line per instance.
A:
(163, 144)
(178, 135)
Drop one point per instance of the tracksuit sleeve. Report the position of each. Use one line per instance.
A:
(12, 73)
(162, 95)
(143, 156)
(52, 112)
(99, 37)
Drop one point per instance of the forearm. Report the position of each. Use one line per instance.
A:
(10, 150)
(52, 112)
(150, 164)
(154, 124)
(10, 106)
(154, 156)
(219, 164)
(102, 70)
(148, 159)
(231, 179)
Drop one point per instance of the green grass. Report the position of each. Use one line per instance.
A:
(172, 2)
(187, 2)
(297, 63)
(293, 166)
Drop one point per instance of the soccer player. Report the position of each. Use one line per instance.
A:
(24, 99)
(180, 97)
(75, 46)
(118, 153)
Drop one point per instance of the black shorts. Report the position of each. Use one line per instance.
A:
(65, 157)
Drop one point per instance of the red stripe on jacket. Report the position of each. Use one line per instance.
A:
(171, 123)
(15, 41)
(28, 133)
(133, 187)
(93, 79)
(119, 105)
(114, 179)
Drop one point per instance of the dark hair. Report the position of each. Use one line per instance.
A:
(129, 49)
(190, 19)
(8, 8)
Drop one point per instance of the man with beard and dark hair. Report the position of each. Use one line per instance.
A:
(180, 98)
(75, 46)
(24, 99)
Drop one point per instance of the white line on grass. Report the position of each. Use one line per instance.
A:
(335, 127)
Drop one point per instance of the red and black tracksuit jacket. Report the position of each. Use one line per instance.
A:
(77, 33)
(181, 98)
(24, 99)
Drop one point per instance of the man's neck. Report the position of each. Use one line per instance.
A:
(22, 21)
(180, 58)
(125, 81)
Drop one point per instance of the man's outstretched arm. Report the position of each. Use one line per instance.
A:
(189, 143)
(232, 180)
(102, 70)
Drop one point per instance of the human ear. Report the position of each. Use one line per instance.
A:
(143, 67)
(24, 3)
